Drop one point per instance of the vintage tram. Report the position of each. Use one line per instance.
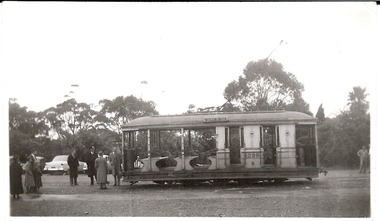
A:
(220, 147)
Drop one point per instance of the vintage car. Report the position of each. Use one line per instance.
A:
(59, 165)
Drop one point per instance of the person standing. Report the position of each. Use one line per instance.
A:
(115, 160)
(15, 178)
(37, 176)
(73, 163)
(34, 169)
(90, 161)
(101, 170)
(29, 178)
(363, 155)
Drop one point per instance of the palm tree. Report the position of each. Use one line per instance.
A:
(357, 100)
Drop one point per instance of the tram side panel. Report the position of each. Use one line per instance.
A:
(286, 151)
(222, 154)
(251, 153)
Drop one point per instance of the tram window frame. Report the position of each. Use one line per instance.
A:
(310, 130)
(242, 141)
(195, 144)
(275, 140)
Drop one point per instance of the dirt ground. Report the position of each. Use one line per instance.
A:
(342, 193)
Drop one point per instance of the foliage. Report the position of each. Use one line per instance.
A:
(69, 118)
(26, 130)
(26, 122)
(120, 110)
(340, 138)
(357, 101)
(266, 86)
(321, 114)
(70, 125)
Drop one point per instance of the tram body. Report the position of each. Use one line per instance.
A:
(218, 147)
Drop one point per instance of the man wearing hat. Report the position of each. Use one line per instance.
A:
(90, 160)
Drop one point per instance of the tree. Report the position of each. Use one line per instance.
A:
(190, 109)
(340, 138)
(357, 101)
(320, 114)
(70, 117)
(120, 110)
(266, 86)
(26, 130)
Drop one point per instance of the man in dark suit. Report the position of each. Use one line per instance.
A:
(90, 160)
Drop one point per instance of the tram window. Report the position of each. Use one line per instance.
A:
(141, 143)
(168, 143)
(155, 139)
(129, 139)
(305, 134)
(277, 136)
(201, 142)
(268, 136)
(235, 138)
(306, 145)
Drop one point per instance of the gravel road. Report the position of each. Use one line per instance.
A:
(342, 193)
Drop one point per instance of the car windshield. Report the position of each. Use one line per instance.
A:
(60, 158)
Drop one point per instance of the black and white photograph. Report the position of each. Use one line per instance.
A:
(167, 110)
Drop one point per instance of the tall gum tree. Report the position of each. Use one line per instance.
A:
(120, 110)
(69, 118)
(265, 85)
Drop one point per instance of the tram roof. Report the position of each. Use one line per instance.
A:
(218, 119)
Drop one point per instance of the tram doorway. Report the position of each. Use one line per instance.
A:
(306, 146)
(235, 143)
(268, 143)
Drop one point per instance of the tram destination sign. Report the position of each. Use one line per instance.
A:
(215, 119)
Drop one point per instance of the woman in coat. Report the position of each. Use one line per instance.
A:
(73, 163)
(15, 172)
(29, 177)
(101, 170)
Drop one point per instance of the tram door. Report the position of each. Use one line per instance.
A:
(235, 143)
(268, 143)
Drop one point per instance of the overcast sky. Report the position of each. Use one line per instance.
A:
(187, 52)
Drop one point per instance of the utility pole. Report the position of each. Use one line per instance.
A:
(274, 49)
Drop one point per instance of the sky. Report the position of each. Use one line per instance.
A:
(186, 52)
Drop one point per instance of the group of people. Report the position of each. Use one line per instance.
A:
(97, 167)
(33, 174)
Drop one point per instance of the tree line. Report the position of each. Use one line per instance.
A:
(263, 86)
(57, 130)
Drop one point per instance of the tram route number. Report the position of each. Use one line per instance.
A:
(252, 155)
